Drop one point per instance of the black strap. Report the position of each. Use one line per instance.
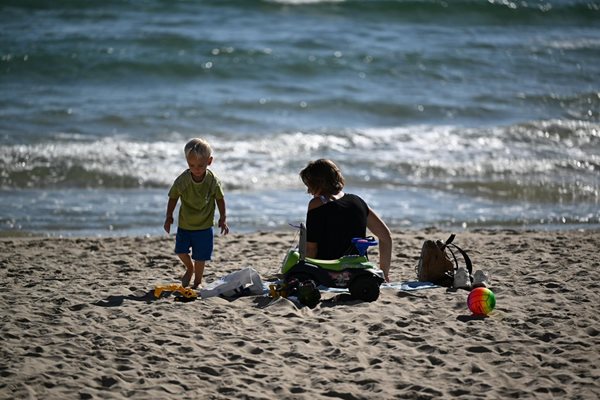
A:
(448, 241)
(468, 262)
(455, 259)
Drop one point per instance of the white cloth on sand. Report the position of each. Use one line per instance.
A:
(238, 283)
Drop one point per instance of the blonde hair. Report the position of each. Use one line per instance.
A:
(323, 175)
(198, 147)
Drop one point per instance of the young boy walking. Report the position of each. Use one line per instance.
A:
(199, 190)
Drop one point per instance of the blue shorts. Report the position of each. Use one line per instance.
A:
(201, 243)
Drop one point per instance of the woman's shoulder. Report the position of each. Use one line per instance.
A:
(315, 203)
(353, 197)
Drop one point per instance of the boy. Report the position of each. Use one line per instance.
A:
(199, 190)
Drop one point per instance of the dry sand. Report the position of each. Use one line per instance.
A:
(79, 322)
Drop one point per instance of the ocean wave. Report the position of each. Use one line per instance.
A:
(422, 9)
(584, 106)
(554, 160)
(592, 44)
(476, 11)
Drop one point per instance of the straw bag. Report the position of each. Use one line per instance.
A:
(436, 266)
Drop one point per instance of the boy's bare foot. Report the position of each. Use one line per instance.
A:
(197, 286)
(185, 280)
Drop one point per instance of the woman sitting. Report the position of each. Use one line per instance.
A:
(334, 218)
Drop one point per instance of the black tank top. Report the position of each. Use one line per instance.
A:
(334, 224)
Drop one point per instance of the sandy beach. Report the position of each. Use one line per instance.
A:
(79, 322)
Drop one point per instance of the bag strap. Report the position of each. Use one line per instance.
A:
(454, 257)
(468, 262)
(448, 241)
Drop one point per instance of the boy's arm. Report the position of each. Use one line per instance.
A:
(222, 216)
(169, 217)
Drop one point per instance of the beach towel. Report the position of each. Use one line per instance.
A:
(407, 286)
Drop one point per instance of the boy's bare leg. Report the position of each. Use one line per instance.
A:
(189, 269)
(199, 272)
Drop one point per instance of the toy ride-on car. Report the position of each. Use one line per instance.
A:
(354, 272)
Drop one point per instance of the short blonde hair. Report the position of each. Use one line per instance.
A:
(198, 147)
(323, 175)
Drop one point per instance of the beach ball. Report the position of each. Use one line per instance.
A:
(481, 301)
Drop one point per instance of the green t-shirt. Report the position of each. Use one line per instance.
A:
(197, 209)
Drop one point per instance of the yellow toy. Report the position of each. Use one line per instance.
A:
(278, 290)
(188, 293)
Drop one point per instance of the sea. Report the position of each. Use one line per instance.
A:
(456, 114)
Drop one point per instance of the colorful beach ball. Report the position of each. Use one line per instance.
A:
(481, 301)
